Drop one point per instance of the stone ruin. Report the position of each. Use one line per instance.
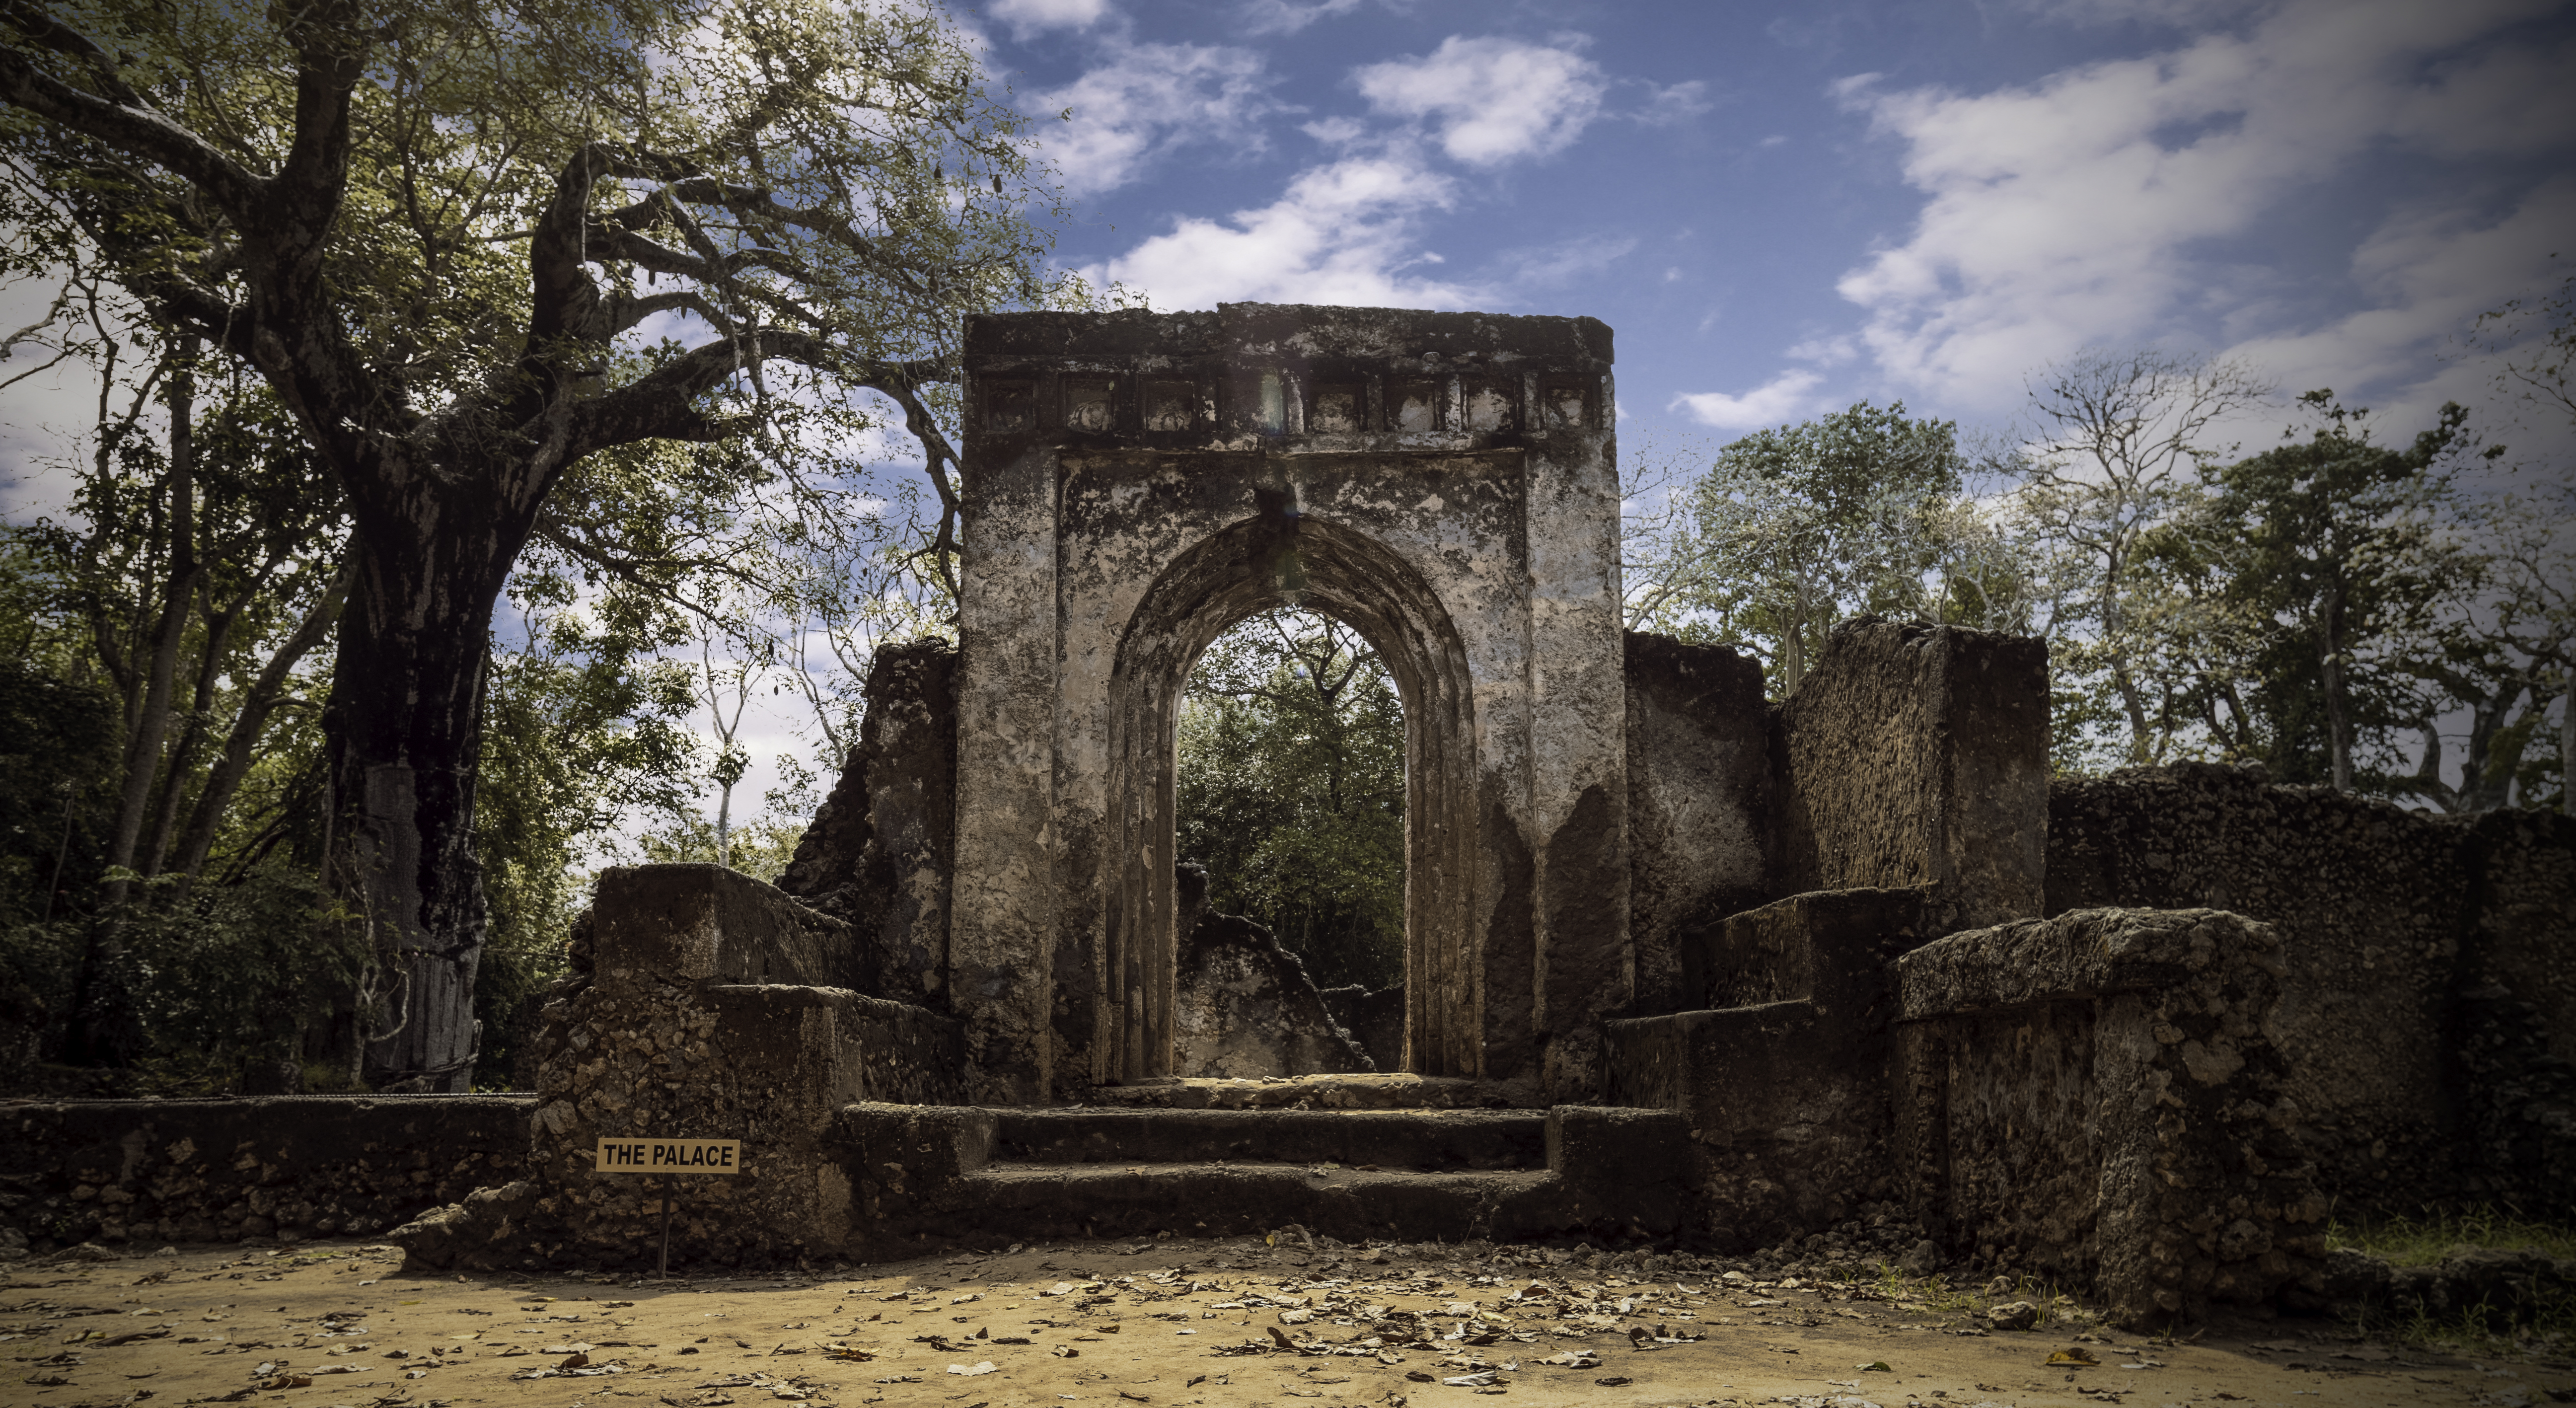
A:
(1682, 964)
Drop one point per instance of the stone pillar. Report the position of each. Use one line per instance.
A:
(1918, 755)
(1001, 935)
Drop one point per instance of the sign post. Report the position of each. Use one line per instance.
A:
(673, 1158)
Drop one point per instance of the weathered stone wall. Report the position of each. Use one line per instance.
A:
(1782, 1074)
(1914, 755)
(663, 1036)
(159, 1171)
(1375, 1021)
(2098, 1098)
(881, 852)
(1248, 1008)
(2429, 1006)
(1699, 803)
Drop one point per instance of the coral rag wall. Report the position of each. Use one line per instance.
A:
(2429, 1008)
(220, 1170)
(2097, 1098)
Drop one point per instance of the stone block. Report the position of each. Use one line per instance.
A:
(1246, 1008)
(2097, 1097)
(691, 924)
(1918, 755)
(1699, 803)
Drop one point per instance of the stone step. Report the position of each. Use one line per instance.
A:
(923, 1174)
(1238, 1199)
(1405, 1140)
(1393, 1091)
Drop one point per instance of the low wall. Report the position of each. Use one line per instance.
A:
(220, 1170)
(2428, 1008)
(2096, 1099)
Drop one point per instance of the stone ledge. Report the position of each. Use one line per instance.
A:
(2077, 956)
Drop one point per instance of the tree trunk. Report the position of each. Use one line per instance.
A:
(403, 729)
(242, 743)
(2567, 746)
(105, 1029)
(2338, 704)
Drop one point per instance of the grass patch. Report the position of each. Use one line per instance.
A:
(2546, 1324)
(2410, 1241)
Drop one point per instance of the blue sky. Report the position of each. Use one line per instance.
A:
(1786, 208)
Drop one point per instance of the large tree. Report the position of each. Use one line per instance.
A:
(2114, 453)
(470, 246)
(1796, 528)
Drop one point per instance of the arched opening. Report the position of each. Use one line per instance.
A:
(1290, 818)
(1283, 559)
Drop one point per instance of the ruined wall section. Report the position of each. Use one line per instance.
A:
(1136, 483)
(705, 1011)
(1918, 755)
(1781, 1069)
(155, 1171)
(1699, 803)
(2099, 1098)
(2428, 1009)
(881, 852)
(1248, 1008)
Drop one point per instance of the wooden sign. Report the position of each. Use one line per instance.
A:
(668, 1156)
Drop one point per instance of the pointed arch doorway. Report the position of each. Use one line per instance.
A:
(1136, 483)
(1282, 558)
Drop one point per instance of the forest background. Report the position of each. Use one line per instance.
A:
(2333, 603)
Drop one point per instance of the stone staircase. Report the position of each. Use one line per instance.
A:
(924, 1175)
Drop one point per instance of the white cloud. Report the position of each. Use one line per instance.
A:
(1343, 232)
(2429, 272)
(1028, 16)
(1149, 99)
(1286, 17)
(2078, 209)
(1778, 400)
(1549, 266)
(1493, 100)
(1667, 106)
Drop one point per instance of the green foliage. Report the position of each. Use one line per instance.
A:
(1291, 792)
(1795, 529)
(759, 848)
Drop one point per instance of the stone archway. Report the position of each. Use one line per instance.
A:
(1284, 558)
(1136, 482)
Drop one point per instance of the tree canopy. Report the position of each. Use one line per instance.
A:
(476, 253)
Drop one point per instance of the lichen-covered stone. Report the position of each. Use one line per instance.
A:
(2428, 1010)
(1247, 1008)
(2098, 1097)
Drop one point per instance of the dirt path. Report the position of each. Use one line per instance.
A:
(1231, 1322)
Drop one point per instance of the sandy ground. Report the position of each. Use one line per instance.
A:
(1178, 1322)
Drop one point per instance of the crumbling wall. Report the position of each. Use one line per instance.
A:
(1782, 1073)
(1246, 1008)
(881, 852)
(2430, 1000)
(2098, 1098)
(1915, 755)
(1375, 1020)
(700, 1013)
(221, 1170)
(1699, 802)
